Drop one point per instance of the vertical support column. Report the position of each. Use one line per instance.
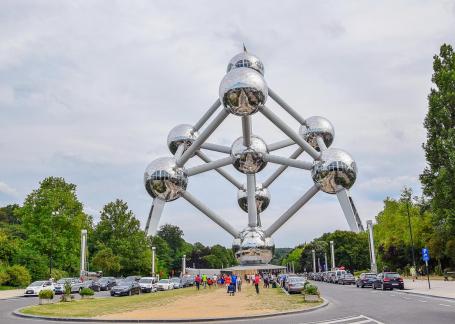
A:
(326, 268)
(313, 252)
(374, 267)
(183, 264)
(319, 265)
(332, 254)
(251, 196)
(153, 261)
(83, 250)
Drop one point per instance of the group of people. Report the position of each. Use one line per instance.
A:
(232, 282)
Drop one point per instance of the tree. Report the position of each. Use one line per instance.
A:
(107, 262)
(120, 231)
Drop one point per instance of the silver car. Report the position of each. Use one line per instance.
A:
(294, 284)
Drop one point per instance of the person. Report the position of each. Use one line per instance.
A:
(266, 281)
(197, 280)
(227, 280)
(231, 289)
(256, 281)
(234, 281)
(239, 284)
(221, 282)
(204, 280)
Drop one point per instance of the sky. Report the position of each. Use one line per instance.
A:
(90, 89)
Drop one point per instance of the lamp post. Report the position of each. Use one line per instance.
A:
(53, 214)
(313, 252)
(332, 252)
(410, 233)
(153, 261)
(326, 268)
(183, 264)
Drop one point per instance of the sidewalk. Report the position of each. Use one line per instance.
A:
(5, 294)
(439, 288)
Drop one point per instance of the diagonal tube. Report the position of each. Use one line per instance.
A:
(202, 137)
(289, 132)
(292, 210)
(281, 169)
(154, 216)
(291, 111)
(207, 115)
(288, 162)
(251, 196)
(209, 166)
(247, 130)
(226, 175)
(216, 148)
(279, 145)
(321, 143)
(179, 152)
(210, 214)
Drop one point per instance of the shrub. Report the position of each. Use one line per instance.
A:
(58, 274)
(86, 292)
(311, 290)
(18, 276)
(4, 276)
(46, 294)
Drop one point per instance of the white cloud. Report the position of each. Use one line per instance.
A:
(7, 190)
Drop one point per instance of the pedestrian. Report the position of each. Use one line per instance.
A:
(239, 284)
(256, 281)
(209, 282)
(234, 280)
(198, 281)
(204, 280)
(231, 289)
(227, 280)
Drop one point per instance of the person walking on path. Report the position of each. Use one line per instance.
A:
(204, 280)
(234, 281)
(256, 281)
(227, 280)
(198, 281)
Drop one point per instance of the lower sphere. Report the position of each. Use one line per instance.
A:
(164, 180)
(255, 247)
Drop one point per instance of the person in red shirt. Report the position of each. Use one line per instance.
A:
(198, 281)
(256, 281)
(227, 280)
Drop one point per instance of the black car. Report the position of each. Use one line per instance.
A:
(365, 280)
(126, 288)
(106, 283)
(388, 280)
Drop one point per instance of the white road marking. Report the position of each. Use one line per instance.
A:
(361, 319)
(445, 305)
(422, 301)
(406, 298)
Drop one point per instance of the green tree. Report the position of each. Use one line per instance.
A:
(120, 231)
(106, 261)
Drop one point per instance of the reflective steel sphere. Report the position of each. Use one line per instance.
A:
(181, 134)
(262, 198)
(246, 60)
(243, 91)
(317, 126)
(164, 180)
(236, 244)
(255, 248)
(249, 159)
(336, 170)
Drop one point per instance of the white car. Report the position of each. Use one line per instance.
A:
(35, 287)
(148, 284)
(165, 284)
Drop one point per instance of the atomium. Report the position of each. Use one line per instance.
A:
(243, 92)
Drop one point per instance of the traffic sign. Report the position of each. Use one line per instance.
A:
(425, 255)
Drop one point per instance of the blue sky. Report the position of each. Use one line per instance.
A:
(90, 89)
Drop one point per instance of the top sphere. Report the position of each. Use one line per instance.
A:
(315, 127)
(243, 91)
(246, 60)
(164, 180)
(181, 134)
(336, 170)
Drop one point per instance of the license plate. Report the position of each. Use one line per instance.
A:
(29, 292)
(395, 284)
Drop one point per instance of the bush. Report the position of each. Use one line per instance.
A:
(4, 276)
(18, 276)
(86, 292)
(58, 274)
(311, 290)
(46, 294)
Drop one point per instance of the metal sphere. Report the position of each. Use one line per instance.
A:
(181, 134)
(236, 244)
(336, 170)
(249, 159)
(262, 198)
(315, 127)
(246, 60)
(255, 248)
(243, 91)
(164, 180)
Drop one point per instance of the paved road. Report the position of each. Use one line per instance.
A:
(348, 304)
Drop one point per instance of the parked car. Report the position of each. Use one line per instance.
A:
(337, 275)
(35, 287)
(126, 288)
(388, 280)
(187, 280)
(59, 286)
(106, 283)
(165, 284)
(365, 279)
(346, 279)
(294, 284)
(177, 282)
(133, 278)
(148, 284)
(77, 286)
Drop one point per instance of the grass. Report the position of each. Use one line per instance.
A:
(104, 306)
(277, 300)
(8, 288)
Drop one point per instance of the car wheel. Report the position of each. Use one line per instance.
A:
(362, 286)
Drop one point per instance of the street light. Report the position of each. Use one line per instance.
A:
(410, 232)
(53, 214)
(153, 261)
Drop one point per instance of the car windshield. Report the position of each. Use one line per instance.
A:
(103, 280)
(37, 284)
(124, 283)
(164, 281)
(370, 275)
(145, 280)
(63, 280)
(392, 275)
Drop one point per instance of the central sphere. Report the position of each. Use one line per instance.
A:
(335, 170)
(249, 159)
(262, 198)
(181, 134)
(243, 91)
(254, 247)
(246, 60)
(315, 127)
(164, 180)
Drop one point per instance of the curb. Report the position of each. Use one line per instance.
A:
(426, 295)
(183, 320)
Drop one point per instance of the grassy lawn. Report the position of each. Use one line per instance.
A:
(103, 306)
(8, 288)
(278, 300)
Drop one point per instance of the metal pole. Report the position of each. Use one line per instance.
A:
(209, 166)
(207, 115)
(292, 210)
(313, 252)
(202, 137)
(179, 151)
(281, 169)
(216, 148)
(247, 130)
(279, 145)
(226, 175)
(428, 274)
(319, 265)
(321, 143)
(83, 250)
(210, 214)
(325, 262)
(153, 261)
(332, 254)
(286, 107)
(290, 132)
(251, 196)
(374, 267)
(410, 233)
(288, 162)
(183, 264)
